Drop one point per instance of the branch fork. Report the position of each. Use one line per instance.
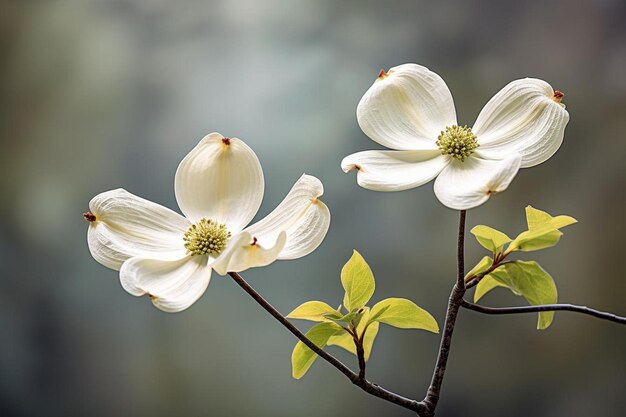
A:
(426, 407)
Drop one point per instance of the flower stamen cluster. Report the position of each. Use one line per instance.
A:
(457, 141)
(207, 237)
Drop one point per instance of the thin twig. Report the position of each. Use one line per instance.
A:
(546, 307)
(362, 383)
(460, 252)
(454, 303)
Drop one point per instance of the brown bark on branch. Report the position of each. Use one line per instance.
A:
(546, 307)
(362, 383)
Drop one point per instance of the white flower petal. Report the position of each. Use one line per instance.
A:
(220, 179)
(465, 185)
(243, 252)
(522, 118)
(394, 170)
(172, 285)
(128, 226)
(407, 108)
(301, 215)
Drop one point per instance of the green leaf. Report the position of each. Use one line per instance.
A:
(302, 357)
(490, 238)
(543, 231)
(483, 265)
(346, 318)
(356, 320)
(345, 340)
(378, 313)
(352, 318)
(403, 313)
(333, 316)
(314, 311)
(485, 285)
(537, 218)
(529, 280)
(537, 239)
(358, 281)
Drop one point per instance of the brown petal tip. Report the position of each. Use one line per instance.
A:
(89, 216)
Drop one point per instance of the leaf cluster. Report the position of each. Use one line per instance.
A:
(523, 278)
(353, 324)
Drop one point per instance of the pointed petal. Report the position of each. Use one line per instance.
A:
(406, 108)
(172, 285)
(128, 226)
(522, 118)
(465, 185)
(220, 179)
(301, 215)
(394, 170)
(243, 252)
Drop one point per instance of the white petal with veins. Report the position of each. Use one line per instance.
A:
(243, 252)
(407, 108)
(522, 118)
(173, 286)
(220, 180)
(303, 217)
(465, 185)
(394, 170)
(128, 226)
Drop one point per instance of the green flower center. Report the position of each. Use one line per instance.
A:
(207, 237)
(457, 141)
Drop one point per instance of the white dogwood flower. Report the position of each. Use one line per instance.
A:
(219, 187)
(410, 110)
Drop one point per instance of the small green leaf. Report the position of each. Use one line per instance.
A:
(490, 238)
(314, 311)
(356, 320)
(378, 313)
(403, 313)
(333, 316)
(358, 281)
(529, 280)
(485, 285)
(302, 357)
(537, 218)
(480, 267)
(353, 318)
(543, 231)
(345, 340)
(537, 239)
(363, 319)
(347, 318)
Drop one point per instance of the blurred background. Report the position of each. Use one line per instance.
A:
(101, 94)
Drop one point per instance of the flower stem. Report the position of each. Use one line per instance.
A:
(361, 382)
(547, 307)
(454, 304)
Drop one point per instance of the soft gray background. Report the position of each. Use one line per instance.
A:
(105, 94)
